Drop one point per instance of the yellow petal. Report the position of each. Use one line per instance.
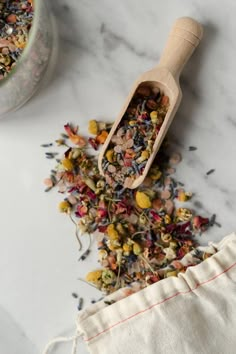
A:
(171, 274)
(112, 233)
(143, 200)
(67, 164)
(93, 127)
(153, 116)
(137, 249)
(109, 155)
(94, 276)
(64, 206)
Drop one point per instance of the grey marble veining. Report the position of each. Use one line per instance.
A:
(104, 46)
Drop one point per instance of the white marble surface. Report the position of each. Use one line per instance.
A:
(104, 46)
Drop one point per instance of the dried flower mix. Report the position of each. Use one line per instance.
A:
(144, 234)
(15, 23)
(132, 143)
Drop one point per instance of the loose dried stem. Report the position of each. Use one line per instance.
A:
(76, 232)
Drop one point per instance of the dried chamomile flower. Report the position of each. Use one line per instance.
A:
(183, 214)
(184, 196)
(95, 276)
(64, 206)
(67, 164)
(95, 127)
(143, 200)
(137, 249)
(109, 155)
(112, 233)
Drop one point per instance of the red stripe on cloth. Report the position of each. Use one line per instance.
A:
(159, 303)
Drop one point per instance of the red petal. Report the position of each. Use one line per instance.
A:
(67, 128)
(93, 143)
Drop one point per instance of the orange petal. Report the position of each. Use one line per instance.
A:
(101, 138)
(77, 140)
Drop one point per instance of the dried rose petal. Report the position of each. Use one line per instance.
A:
(81, 210)
(81, 187)
(91, 195)
(154, 278)
(102, 228)
(155, 216)
(185, 227)
(93, 143)
(129, 154)
(181, 253)
(102, 213)
(121, 207)
(199, 222)
(128, 162)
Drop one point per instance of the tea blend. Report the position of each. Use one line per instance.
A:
(144, 235)
(15, 23)
(132, 144)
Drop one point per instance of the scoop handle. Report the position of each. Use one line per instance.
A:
(182, 41)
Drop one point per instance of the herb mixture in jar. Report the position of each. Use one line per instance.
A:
(15, 23)
(132, 144)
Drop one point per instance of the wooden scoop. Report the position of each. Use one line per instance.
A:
(183, 39)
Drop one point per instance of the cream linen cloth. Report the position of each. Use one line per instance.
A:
(194, 313)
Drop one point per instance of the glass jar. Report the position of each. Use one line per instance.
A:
(36, 60)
